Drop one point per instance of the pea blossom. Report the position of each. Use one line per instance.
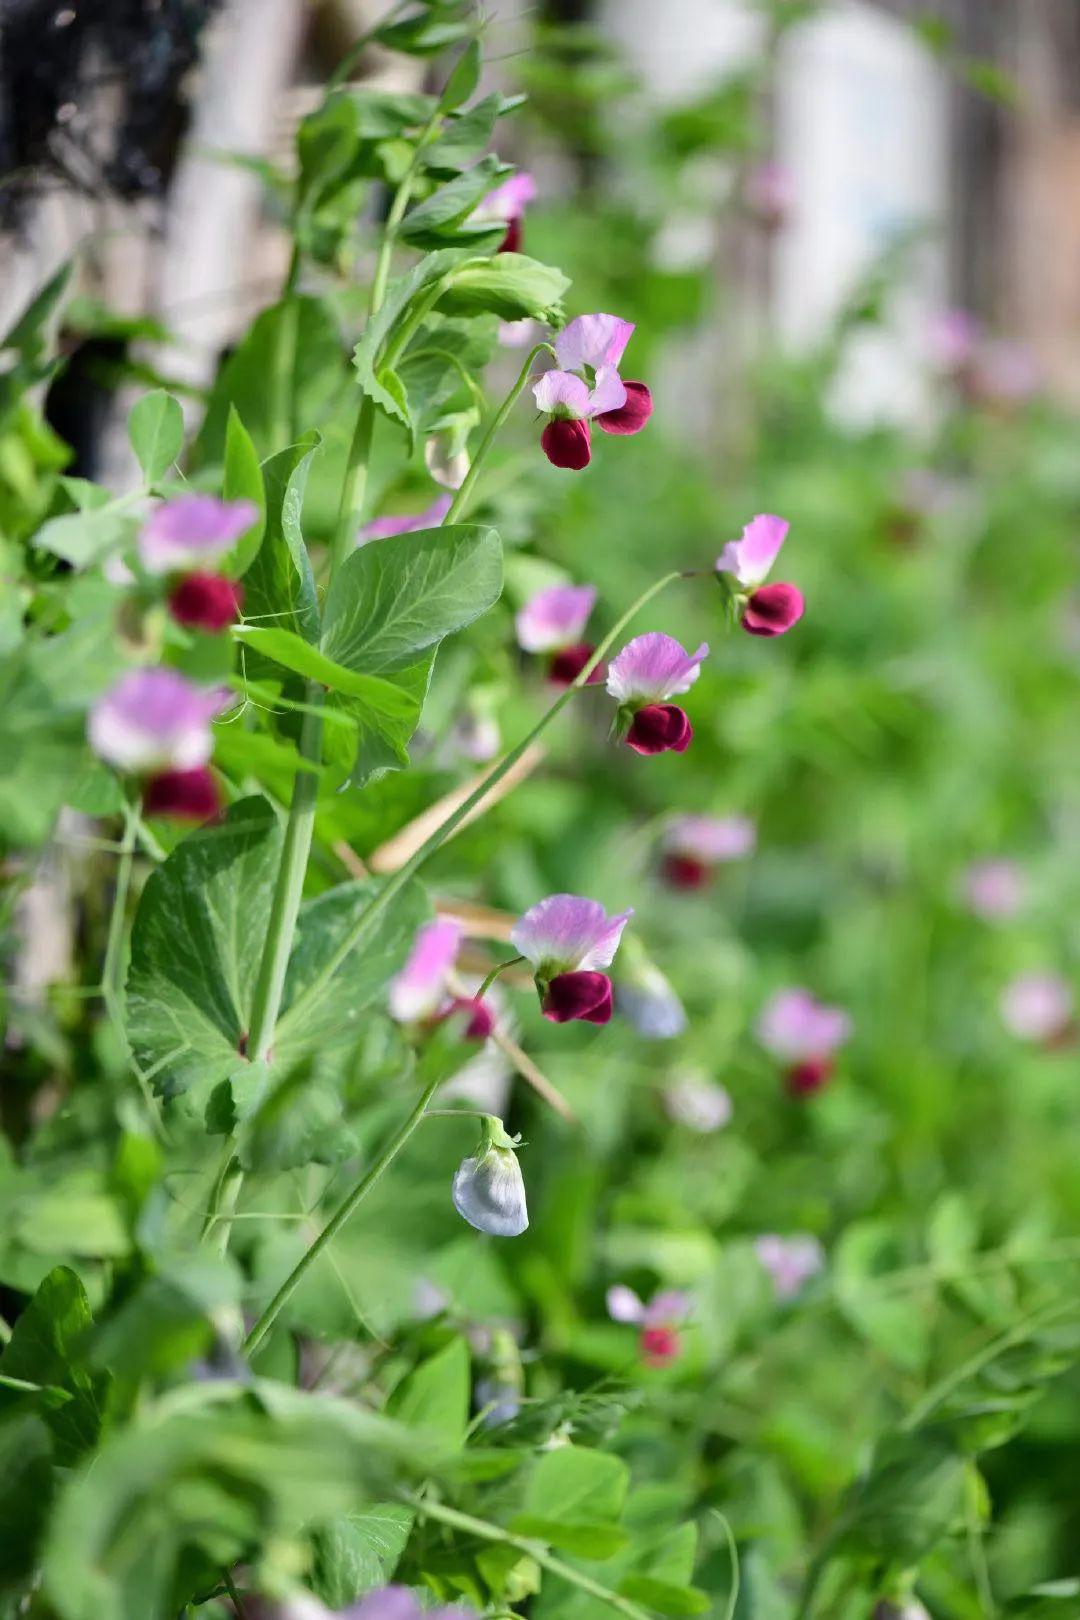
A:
(692, 846)
(568, 940)
(649, 671)
(387, 1603)
(553, 622)
(408, 523)
(699, 1104)
(790, 1261)
(156, 724)
(419, 991)
(770, 193)
(585, 386)
(507, 203)
(765, 610)
(207, 602)
(488, 1190)
(994, 889)
(646, 998)
(797, 1028)
(659, 1320)
(181, 535)
(1038, 1007)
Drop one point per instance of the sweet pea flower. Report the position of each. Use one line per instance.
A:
(488, 1190)
(694, 845)
(553, 621)
(953, 339)
(994, 889)
(585, 386)
(207, 602)
(154, 720)
(180, 535)
(568, 939)
(790, 1262)
(419, 990)
(507, 204)
(650, 670)
(767, 610)
(646, 998)
(383, 528)
(770, 193)
(1038, 1007)
(699, 1104)
(658, 1320)
(391, 1603)
(797, 1028)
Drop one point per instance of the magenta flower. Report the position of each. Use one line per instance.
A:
(398, 1603)
(553, 621)
(1038, 1007)
(180, 535)
(699, 1104)
(767, 610)
(585, 386)
(568, 940)
(650, 670)
(694, 845)
(207, 602)
(184, 795)
(790, 1262)
(383, 528)
(658, 1320)
(419, 989)
(595, 341)
(507, 203)
(994, 889)
(155, 720)
(801, 1031)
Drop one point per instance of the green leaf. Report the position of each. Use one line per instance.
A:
(359, 1551)
(911, 1498)
(425, 35)
(574, 1483)
(84, 538)
(434, 1398)
(242, 481)
(27, 1482)
(895, 1325)
(195, 951)
(279, 585)
(665, 1597)
(28, 336)
(464, 78)
(368, 353)
(464, 136)
(510, 285)
(167, 1322)
(46, 1347)
(304, 659)
(582, 1538)
(156, 430)
(452, 204)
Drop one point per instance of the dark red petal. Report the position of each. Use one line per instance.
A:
(205, 602)
(567, 664)
(659, 1345)
(187, 795)
(660, 728)
(511, 242)
(685, 871)
(565, 442)
(808, 1077)
(772, 609)
(481, 1020)
(631, 417)
(578, 995)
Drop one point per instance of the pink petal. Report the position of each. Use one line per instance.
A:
(592, 340)
(567, 933)
(790, 1262)
(953, 338)
(1037, 1006)
(667, 1307)
(994, 889)
(557, 389)
(653, 668)
(710, 838)
(555, 617)
(623, 1305)
(154, 719)
(508, 201)
(750, 558)
(418, 989)
(430, 518)
(185, 532)
(609, 393)
(794, 1026)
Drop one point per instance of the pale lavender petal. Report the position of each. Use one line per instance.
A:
(790, 1262)
(389, 1603)
(519, 334)
(555, 617)
(489, 1192)
(953, 338)
(609, 393)
(418, 989)
(710, 838)
(430, 518)
(994, 889)
(667, 1308)
(1037, 1006)
(750, 558)
(592, 340)
(1007, 371)
(508, 201)
(187, 532)
(563, 391)
(566, 933)
(699, 1104)
(153, 719)
(794, 1026)
(623, 1305)
(646, 998)
(770, 188)
(653, 668)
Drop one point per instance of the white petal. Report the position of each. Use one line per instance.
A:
(489, 1193)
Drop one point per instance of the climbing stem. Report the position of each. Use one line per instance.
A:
(464, 494)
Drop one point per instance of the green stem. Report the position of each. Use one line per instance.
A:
(463, 494)
(394, 884)
(534, 1549)
(339, 1218)
(234, 1596)
(112, 972)
(500, 967)
(354, 485)
(359, 46)
(402, 198)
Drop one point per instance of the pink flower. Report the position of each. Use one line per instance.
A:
(552, 621)
(1038, 1007)
(650, 670)
(797, 1028)
(790, 1262)
(569, 940)
(396, 1603)
(185, 795)
(208, 602)
(770, 192)
(591, 344)
(155, 720)
(1006, 373)
(658, 1320)
(994, 889)
(420, 988)
(953, 339)
(383, 528)
(595, 341)
(693, 845)
(699, 1104)
(180, 535)
(507, 203)
(767, 610)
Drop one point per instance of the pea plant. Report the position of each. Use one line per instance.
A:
(208, 679)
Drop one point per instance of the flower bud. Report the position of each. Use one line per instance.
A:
(684, 871)
(660, 728)
(480, 1021)
(488, 1189)
(633, 415)
(567, 664)
(810, 1076)
(186, 795)
(772, 609)
(207, 602)
(660, 1345)
(565, 442)
(584, 994)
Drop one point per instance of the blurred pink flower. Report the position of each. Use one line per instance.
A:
(994, 889)
(658, 1320)
(651, 669)
(767, 610)
(507, 204)
(803, 1033)
(154, 720)
(790, 1261)
(693, 845)
(408, 523)
(419, 989)
(952, 339)
(770, 192)
(181, 535)
(1038, 1007)
(595, 342)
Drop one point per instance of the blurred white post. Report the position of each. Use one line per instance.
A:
(862, 125)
